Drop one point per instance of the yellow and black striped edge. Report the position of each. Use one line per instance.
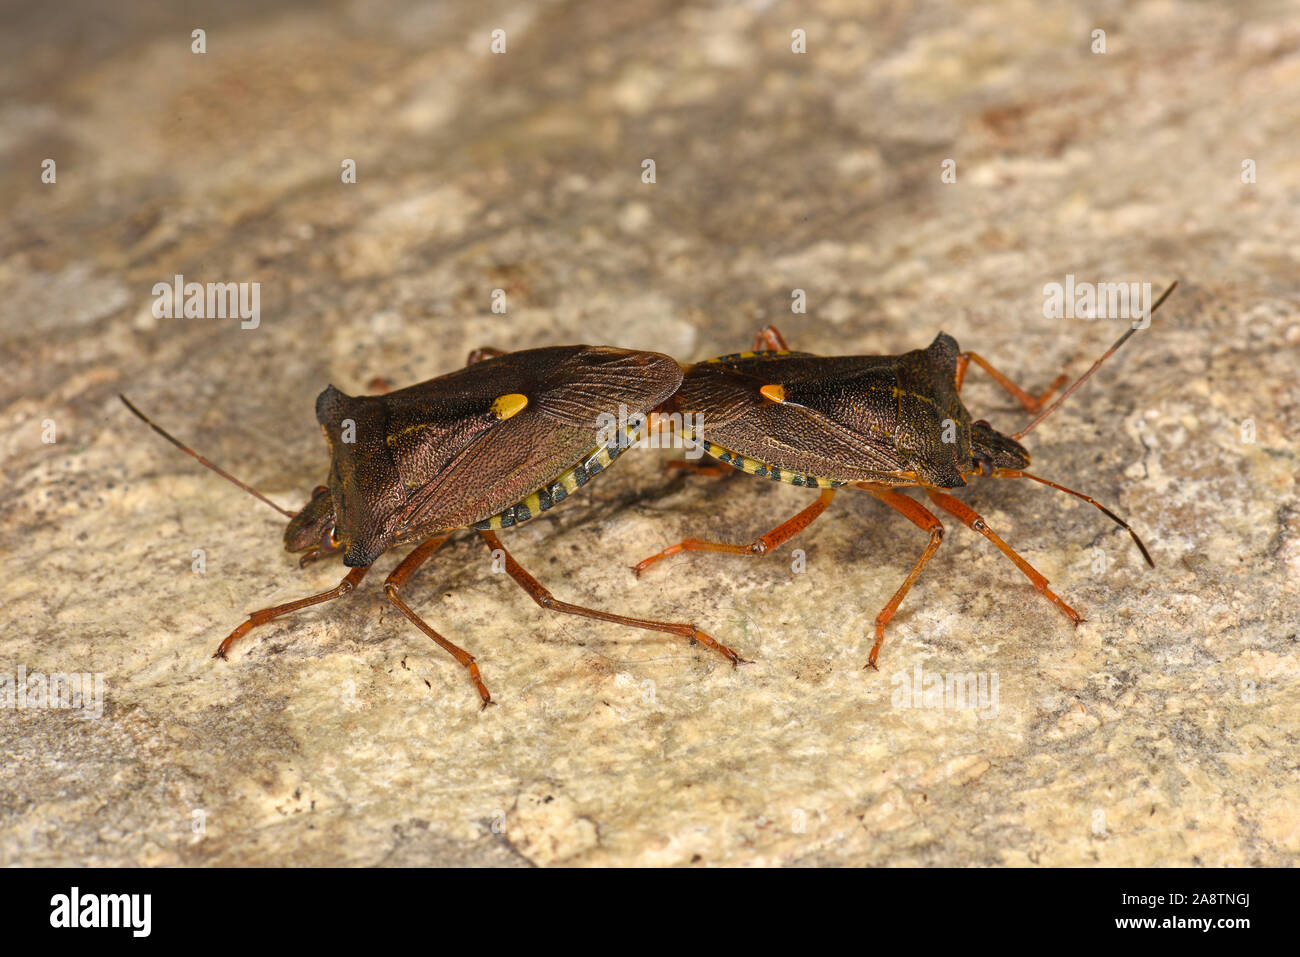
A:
(763, 470)
(548, 496)
(751, 355)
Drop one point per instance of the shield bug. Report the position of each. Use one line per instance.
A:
(878, 423)
(487, 447)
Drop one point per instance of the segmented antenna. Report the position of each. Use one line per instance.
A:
(1020, 473)
(1095, 366)
(202, 461)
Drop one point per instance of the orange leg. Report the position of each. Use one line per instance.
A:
(269, 614)
(918, 515)
(769, 339)
(539, 594)
(379, 385)
(972, 520)
(1031, 403)
(760, 546)
(483, 352)
(398, 578)
(708, 468)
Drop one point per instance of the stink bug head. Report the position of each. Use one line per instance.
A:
(990, 449)
(312, 530)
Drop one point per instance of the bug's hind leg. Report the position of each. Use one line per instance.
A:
(539, 594)
(920, 516)
(379, 385)
(269, 614)
(760, 546)
(483, 352)
(710, 468)
(405, 569)
(972, 520)
(1030, 402)
(769, 339)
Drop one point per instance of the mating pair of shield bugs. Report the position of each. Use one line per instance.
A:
(512, 435)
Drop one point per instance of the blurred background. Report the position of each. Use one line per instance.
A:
(389, 171)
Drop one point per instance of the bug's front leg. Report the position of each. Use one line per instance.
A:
(920, 516)
(483, 352)
(972, 520)
(392, 585)
(1030, 402)
(769, 339)
(270, 614)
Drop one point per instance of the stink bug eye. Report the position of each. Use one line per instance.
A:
(310, 530)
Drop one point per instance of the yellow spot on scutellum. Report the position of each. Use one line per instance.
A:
(774, 392)
(509, 404)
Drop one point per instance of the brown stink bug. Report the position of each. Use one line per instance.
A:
(487, 447)
(878, 423)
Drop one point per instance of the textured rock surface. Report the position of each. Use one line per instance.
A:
(1162, 731)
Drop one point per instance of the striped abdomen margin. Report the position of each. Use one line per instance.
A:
(752, 355)
(550, 495)
(763, 470)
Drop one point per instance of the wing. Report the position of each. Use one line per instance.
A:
(838, 420)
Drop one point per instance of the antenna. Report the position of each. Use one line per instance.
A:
(1095, 366)
(189, 451)
(1019, 473)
